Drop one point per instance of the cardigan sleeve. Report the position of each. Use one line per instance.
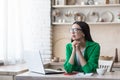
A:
(67, 66)
(92, 62)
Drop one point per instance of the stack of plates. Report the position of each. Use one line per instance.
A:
(107, 16)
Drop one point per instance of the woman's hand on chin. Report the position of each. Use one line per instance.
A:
(76, 44)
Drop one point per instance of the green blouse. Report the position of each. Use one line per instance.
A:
(91, 55)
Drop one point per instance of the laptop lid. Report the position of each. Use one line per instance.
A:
(34, 61)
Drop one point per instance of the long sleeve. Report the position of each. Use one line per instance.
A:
(67, 66)
(92, 59)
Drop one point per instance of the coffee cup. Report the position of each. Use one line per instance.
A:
(101, 71)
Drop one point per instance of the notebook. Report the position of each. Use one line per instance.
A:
(35, 64)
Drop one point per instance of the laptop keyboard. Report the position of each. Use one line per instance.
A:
(52, 70)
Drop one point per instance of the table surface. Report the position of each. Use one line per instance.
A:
(20, 68)
(13, 69)
(36, 76)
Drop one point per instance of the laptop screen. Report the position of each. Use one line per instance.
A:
(34, 61)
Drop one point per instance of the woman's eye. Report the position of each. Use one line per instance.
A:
(75, 30)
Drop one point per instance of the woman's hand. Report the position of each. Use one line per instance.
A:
(76, 45)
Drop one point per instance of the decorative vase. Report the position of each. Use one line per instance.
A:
(116, 55)
(107, 1)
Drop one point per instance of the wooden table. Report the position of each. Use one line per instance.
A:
(9, 72)
(35, 76)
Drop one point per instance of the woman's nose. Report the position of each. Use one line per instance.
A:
(73, 32)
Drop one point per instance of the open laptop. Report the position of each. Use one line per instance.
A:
(34, 62)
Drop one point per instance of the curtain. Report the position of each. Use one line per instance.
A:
(24, 25)
(11, 42)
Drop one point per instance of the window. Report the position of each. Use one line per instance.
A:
(24, 25)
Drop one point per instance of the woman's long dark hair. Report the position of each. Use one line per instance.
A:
(85, 29)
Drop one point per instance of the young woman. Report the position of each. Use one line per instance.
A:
(82, 53)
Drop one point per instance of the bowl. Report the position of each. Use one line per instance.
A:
(101, 71)
(106, 58)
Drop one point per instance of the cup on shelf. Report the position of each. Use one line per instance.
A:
(82, 3)
(63, 20)
(60, 20)
(96, 3)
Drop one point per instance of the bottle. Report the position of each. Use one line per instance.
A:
(56, 2)
(116, 55)
(53, 2)
(107, 1)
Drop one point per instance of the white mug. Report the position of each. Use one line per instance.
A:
(82, 3)
(96, 3)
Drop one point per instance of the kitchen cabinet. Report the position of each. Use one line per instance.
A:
(97, 13)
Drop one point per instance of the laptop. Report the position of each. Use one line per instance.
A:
(35, 64)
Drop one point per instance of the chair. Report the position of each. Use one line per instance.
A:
(108, 64)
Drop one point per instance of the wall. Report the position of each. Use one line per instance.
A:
(106, 35)
(35, 20)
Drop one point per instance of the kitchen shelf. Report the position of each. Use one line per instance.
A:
(85, 6)
(86, 10)
(92, 23)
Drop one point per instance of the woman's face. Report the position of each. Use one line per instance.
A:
(76, 32)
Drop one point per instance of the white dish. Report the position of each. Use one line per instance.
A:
(107, 16)
(92, 17)
(80, 74)
(101, 71)
(88, 74)
(84, 75)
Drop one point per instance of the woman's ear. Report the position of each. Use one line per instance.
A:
(83, 34)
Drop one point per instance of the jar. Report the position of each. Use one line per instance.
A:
(107, 1)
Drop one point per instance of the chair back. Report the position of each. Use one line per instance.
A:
(108, 64)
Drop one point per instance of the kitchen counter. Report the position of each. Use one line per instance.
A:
(36, 76)
(116, 64)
